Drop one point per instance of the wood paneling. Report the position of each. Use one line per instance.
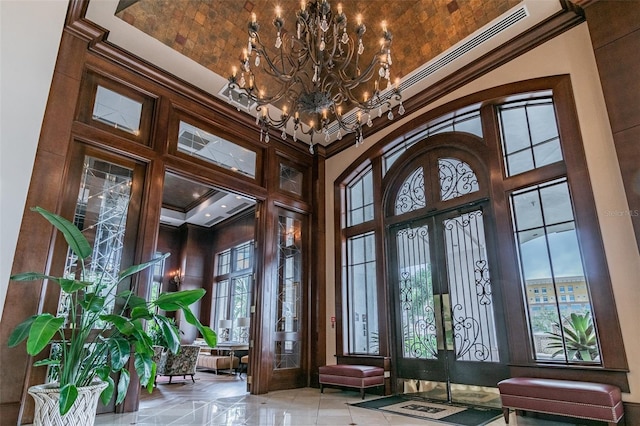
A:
(614, 27)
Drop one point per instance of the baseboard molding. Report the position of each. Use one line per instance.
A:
(9, 413)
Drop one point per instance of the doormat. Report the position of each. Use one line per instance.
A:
(429, 409)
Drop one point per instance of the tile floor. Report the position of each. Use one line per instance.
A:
(224, 401)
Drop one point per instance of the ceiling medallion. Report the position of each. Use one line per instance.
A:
(314, 72)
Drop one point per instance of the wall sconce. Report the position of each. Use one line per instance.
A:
(243, 324)
(176, 278)
(224, 325)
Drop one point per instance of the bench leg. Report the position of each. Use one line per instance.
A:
(321, 388)
(505, 413)
(362, 392)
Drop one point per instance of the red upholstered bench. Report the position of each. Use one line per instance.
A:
(584, 400)
(355, 376)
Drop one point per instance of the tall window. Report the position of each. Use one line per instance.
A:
(359, 277)
(361, 288)
(232, 286)
(545, 233)
(540, 215)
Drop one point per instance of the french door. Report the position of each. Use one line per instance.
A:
(447, 322)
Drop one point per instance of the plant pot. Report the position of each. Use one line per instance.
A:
(82, 413)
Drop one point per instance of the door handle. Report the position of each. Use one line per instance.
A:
(448, 322)
(437, 307)
(444, 323)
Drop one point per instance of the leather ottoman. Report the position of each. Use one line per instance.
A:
(585, 400)
(355, 376)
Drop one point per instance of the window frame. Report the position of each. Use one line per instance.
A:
(229, 277)
(574, 167)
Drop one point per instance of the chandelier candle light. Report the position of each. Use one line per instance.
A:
(313, 72)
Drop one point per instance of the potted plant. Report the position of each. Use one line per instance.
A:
(97, 341)
(579, 337)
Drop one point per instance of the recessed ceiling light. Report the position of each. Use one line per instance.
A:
(238, 197)
(224, 206)
(196, 195)
(207, 214)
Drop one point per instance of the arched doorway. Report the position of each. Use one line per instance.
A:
(447, 324)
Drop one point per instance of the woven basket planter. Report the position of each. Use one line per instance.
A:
(82, 413)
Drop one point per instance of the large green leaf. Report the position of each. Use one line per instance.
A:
(71, 286)
(119, 350)
(143, 343)
(208, 334)
(123, 385)
(123, 324)
(176, 300)
(44, 327)
(131, 300)
(72, 234)
(169, 333)
(143, 365)
(68, 395)
(137, 268)
(47, 361)
(92, 302)
(33, 276)
(21, 332)
(141, 312)
(152, 379)
(107, 393)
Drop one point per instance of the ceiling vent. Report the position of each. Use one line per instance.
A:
(237, 208)
(214, 220)
(457, 52)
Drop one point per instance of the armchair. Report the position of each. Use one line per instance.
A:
(181, 364)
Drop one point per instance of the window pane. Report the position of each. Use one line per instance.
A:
(101, 213)
(464, 120)
(529, 135)
(562, 327)
(539, 118)
(117, 111)
(514, 129)
(243, 256)
(290, 179)
(224, 262)
(533, 251)
(362, 324)
(214, 149)
(411, 195)
(232, 287)
(520, 162)
(527, 211)
(360, 199)
(474, 330)
(547, 153)
(288, 314)
(557, 204)
(456, 178)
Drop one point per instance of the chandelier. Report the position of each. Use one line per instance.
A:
(313, 73)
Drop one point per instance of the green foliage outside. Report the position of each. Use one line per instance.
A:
(578, 337)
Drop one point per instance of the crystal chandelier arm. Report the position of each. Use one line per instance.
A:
(310, 73)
